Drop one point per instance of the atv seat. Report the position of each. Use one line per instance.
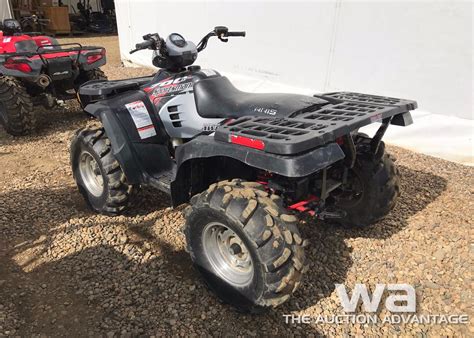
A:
(216, 97)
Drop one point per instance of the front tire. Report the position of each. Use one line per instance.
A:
(98, 175)
(16, 107)
(246, 247)
(373, 186)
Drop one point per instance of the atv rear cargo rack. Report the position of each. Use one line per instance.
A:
(315, 126)
(55, 49)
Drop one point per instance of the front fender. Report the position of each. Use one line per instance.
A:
(121, 147)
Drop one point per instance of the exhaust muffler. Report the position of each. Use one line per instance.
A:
(43, 81)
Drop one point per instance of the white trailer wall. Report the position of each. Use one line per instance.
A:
(5, 10)
(421, 50)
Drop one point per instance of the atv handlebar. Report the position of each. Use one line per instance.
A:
(153, 41)
(222, 34)
(142, 45)
(242, 34)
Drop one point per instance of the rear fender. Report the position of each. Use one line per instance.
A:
(207, 148)
(289, 166)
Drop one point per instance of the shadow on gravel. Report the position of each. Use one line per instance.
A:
(108, 288)
(418, 189)
(148, 200)
(27, 212)
(330, 256)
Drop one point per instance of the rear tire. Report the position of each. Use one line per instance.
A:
(252, 226)
(16, 107)
(378, 182)
(98, 175)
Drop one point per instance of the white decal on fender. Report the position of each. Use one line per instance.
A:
(141, 118)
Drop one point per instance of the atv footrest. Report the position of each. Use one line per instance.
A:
(163, 181)
(313, 127)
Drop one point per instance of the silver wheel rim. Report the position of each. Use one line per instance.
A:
(91, 174)
(228, 255)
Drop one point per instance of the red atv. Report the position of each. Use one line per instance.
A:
(37, 70)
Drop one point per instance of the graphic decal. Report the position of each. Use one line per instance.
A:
(168, 86)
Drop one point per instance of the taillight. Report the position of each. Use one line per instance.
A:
(247, 142)
(15, 65)
(95, 57)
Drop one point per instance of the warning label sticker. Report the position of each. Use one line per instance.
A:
(141, 118)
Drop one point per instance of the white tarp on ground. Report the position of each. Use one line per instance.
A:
(5, 10)
(419, 50)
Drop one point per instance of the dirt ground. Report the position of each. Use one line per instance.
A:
(65, 271)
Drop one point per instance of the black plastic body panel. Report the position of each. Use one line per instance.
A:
(289, 166)
(107, 88)
(96, 90)
(139, 158)
(310, 128)
(402, 120)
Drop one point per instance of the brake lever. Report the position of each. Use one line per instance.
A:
(221, 37)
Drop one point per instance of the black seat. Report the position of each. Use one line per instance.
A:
(216, 97)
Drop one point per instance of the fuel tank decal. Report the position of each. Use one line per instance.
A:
(141, 118)
(168, 86)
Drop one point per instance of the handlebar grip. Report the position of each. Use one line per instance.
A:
(236, 34)
(144, 44)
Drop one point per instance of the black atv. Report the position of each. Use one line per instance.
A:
(248, 164)
(37, 70)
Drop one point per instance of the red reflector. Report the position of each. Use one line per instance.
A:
(94, 58)
(20, 66)
(247, 142)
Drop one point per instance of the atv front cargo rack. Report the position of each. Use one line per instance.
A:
(315, 126)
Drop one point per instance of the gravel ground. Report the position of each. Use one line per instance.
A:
(67, 271)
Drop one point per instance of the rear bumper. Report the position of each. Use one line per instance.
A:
(311, 128)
